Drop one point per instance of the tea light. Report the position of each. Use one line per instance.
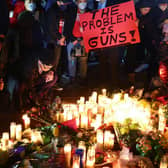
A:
(19, 132)
(13, 130)
(26, 120)
(67, 152)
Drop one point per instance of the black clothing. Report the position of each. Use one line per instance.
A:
(54, 15)
(4, 17)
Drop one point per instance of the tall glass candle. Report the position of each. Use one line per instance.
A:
(90, 162)
(84, 121)
(19, 132)
(5, 140)
(108, 139)
(67, 152)
(99, 136)
(76, 161)
(13, 130)
(26, 121)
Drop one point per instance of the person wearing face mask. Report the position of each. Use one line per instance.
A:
(75, 45)
(30, 5)
(30, 44)
(59, 15)
(142, 57)
(160, 13)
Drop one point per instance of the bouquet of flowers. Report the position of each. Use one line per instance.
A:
(153, 145)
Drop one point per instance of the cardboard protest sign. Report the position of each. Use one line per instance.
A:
(111, 26)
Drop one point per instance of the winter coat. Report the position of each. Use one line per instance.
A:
(54, 15)
(4, 17)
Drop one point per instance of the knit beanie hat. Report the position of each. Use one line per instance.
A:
(146, 3)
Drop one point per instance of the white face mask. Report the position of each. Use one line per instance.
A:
(31, 6)
(43, 3)
(82, 5)
(163, 7)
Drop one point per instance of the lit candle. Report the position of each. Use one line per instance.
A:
(90, 163)
(19, 132)
(104, 91)
(10, 144)
(13, 130)
(108, 139)
(82, 100)
(162, 120)
(163, 163)
(76, 161)
(26, 120)
(81, 145)
(99, 136)
(98, 121)
(5, 140)
(84, 121)
(36, 137)
(67, 152)
(94, 97)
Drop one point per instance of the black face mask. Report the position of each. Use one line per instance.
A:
(63, 7)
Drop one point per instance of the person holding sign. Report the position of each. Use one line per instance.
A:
(75, 47)
(109, 58)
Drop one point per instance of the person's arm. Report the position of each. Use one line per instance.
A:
(53, 24)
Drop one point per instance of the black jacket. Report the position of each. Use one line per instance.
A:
(54, 15)
(4, 17)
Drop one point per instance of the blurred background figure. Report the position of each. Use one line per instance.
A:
(77, 57)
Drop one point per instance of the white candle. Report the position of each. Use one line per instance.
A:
(90, 163)
(94, 97)
(26, 120)
(104, 91)
(163, 162)
(162, 120)
(108, 139)
(99, 137)
(13, 130)
(67, 152)
(76, 161)
(82, 100)
(5, 140)
(19, 132)
(84, 121)
(98, 121)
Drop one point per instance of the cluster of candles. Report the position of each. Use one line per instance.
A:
(7, 140)
(100, 109)
(87, 158)
(16, 130)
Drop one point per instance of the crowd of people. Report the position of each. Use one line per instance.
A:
(41, 43)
